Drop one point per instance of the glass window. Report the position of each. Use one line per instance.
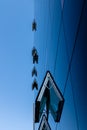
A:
(50, 96)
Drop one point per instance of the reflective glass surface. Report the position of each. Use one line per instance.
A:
(61, 42)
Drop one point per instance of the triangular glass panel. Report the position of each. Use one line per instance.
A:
(44, 125)
(50, 95)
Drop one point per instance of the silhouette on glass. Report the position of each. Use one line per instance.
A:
(34, 85)
(34, 26)
(35, 55)
(34, 72)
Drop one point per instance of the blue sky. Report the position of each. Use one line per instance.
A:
(16, 41)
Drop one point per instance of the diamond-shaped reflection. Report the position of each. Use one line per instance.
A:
(50, 96)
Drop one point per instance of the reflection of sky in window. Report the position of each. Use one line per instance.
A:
(46, 40)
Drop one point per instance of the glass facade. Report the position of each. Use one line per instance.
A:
(49, 96)
(61, 42)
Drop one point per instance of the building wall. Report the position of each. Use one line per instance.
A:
(61, 41)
